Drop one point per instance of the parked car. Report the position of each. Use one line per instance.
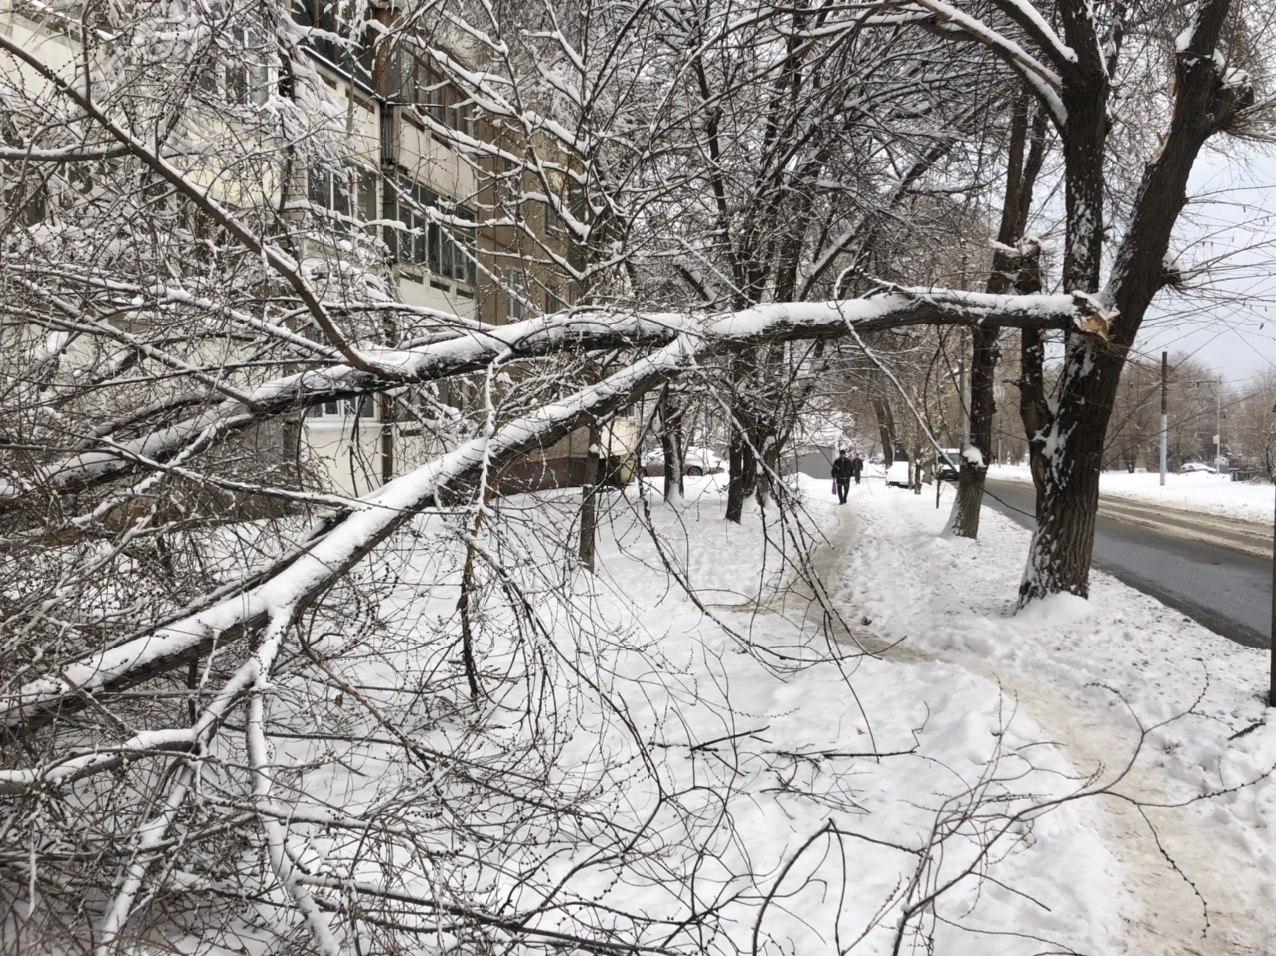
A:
(949, 464)
(897, 474)
(699, 461)
(696, 461)
(1198, 466)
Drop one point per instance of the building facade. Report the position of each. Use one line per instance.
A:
(395, 196)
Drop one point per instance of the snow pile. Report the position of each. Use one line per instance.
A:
(1192, 491)
(765, 798)
(964, 734)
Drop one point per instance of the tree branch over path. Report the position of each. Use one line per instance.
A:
(471, 351)
(345, 538)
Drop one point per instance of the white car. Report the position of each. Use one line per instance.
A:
(702, 461)
(696, 461)
(897, 474)
(1196, 466)
(949, 464)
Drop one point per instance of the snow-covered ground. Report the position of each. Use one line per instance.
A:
(1089, 674)
(960, 751)
(761, 795)
(1194, 491)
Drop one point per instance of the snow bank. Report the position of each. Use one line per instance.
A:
(784, 822)
(1194, 491)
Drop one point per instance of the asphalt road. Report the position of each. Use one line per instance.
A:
(1214, 570)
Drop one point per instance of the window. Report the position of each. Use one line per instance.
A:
(516, 293)
(553, 223)
(412, 245)
(452, 249)
(336, 41)
(342, 409)
(423, 85)
(366, 207)
(239, 75)
(345, 197)
(448, 251)
(553, 300)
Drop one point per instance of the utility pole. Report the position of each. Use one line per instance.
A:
(1271, 633)
(1218, 424)
(1165, 416)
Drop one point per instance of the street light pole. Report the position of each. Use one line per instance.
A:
(1165, 417)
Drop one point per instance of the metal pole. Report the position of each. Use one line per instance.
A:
(1165, 417)
(1218, 424)
(1271, 633)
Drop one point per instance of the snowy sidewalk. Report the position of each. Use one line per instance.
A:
(1068, 664)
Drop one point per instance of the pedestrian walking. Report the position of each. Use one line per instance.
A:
(857, 468)
(841, 476)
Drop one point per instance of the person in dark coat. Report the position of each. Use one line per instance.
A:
(841, 475)
(857, 468)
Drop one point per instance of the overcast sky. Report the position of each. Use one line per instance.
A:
(1229, 319)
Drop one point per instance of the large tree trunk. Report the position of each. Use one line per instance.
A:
(742, 466)
(671, 447)
(1008, 270)
(1067, 470)
(1208, 97)
(742, 472)
(1068, 494)
(1033, 408)
(968, 504)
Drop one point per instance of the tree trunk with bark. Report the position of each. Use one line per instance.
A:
(1008, 270)
(589, 500)
(1208, 98)
(742, 472)
(968, 503)
(671, 446)
(885, 428)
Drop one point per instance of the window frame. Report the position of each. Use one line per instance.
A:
(423, 85)
(517, 299)
(341, 411)
(446, 252)
(348, 202)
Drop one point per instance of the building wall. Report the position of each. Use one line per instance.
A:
(385, 143)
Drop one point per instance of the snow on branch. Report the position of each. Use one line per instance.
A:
(472, 349)
(1044, 81)
(346, 538)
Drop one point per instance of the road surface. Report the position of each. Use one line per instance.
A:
(1215, 570)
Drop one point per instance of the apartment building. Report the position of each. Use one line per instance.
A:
(396, 198)
(494, 274)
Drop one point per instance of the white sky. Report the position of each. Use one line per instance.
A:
(1228, 320)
